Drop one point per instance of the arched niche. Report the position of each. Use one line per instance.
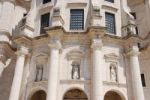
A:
(75, 94)
(112, 95)
(39, 95)
(40, 67)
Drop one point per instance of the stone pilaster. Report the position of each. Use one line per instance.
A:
(138, 93)
(23, 46)
(17, 80)
(54, 45)
(97, 81)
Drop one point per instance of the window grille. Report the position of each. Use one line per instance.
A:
(76, 19)
(110, 23)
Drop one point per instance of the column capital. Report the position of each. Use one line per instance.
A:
(22, 50)
(55, 44)
(97, 44)
(133, 51)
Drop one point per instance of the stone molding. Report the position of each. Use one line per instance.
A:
(114, 84)
(112, 57)
(86, 37)
(75, 55)
(75, 81)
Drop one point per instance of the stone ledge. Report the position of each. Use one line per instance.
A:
(74, 81)
(106, 83)
(37, 83)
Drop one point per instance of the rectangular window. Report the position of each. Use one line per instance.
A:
(110, 23)
(46, 1)
(112, 1)
(44, 22)
(76, 19)
(143, 80)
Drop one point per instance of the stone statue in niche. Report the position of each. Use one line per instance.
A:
(75, 71)
(39, 72)
(113, 73)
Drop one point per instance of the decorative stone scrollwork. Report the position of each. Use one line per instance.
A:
(113, 72)
(75, 70)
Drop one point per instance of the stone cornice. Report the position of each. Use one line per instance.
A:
(86, 37)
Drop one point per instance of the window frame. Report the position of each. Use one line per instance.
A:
(41, 26)
(114, 24)
(82, 21)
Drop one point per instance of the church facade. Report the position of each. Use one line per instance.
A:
(74, 49)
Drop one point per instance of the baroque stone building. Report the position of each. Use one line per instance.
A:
(74, 49)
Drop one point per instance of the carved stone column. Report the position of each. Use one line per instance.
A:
(138, 93)
(17, 80)
(97, 82)
(55, 45)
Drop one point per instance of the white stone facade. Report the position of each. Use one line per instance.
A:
(101, 65)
